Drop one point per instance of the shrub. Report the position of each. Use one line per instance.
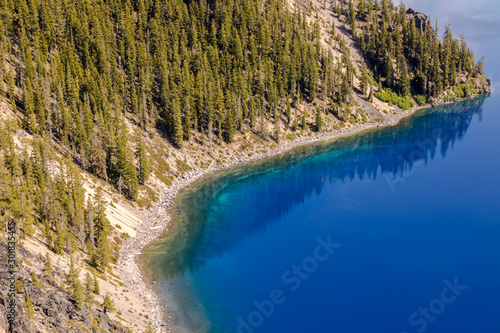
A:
(462, 90)
(421, 100)
(404, 102)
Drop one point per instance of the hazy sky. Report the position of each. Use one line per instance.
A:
(478, 21)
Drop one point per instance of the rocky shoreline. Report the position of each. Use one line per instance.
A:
(157, 219)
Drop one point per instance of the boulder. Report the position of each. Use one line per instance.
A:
(419, 18)
(51, 312)
(103, 320)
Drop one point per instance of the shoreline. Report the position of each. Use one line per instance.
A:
(157, 218)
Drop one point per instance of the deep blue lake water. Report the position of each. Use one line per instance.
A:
(391, 230)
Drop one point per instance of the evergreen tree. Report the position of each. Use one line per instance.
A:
(96, 290)
(352, 16)
(108, 304)
(364, 79)
(34, 279)
(319, 120)
(48, 269)
(228, 128)
(88, 295)
(28, 306)
(59, 241)
(277, 128)
(97, 158)
(177, 133)
(101, 256)
(144, 166)
(73, 273)
(78, 294)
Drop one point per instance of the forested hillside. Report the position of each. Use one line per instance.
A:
(410, 59)
(129, 94)
(76, 68)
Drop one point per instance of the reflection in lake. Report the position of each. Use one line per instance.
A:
(281, 183)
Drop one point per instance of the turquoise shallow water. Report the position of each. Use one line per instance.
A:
(391, 230)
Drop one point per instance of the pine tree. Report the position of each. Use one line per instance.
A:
(263, 125)
(78, 294)
(364, 79)
(228, 128)
(108, 304)
(96, 290)
(73, 273)
(101, 256)
(48, 269)
(144, 166)
(28, 306)
(352, 16)
(319, 120)
(288, 113)
(97, 158)
(277, 127)
(177, 132)
(59, 241)
(34, 279)
(89, 291)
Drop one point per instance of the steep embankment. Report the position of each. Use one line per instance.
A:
(108, 106)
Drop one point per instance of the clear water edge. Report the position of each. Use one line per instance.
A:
(182, 289)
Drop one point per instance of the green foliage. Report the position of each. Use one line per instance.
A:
(415, 60)
(19, 286)
(108, 304)
(420, 99)
(28, 306)
(78, 294)
(319, 120)
(48, 269)
(96, 290)
(72, 276)
(144, 164)
(150, 328)
(83, 73)
(182, 165)
(462, 90)
(98, 230)
(176, 123)
(390, 97)
(88, 295)
(34, 279)
(87, 64)
(59, 242)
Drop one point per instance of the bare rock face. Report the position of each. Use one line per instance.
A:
(3, 323)
(54, 308)
(419, 18)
